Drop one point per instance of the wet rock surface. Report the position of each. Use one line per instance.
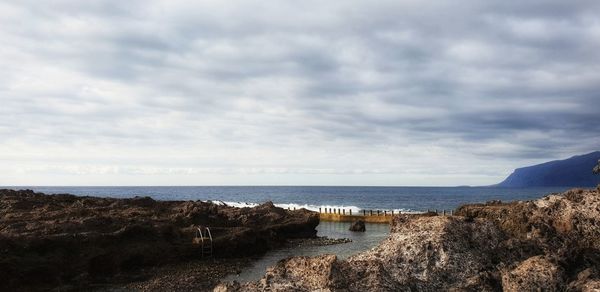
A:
(317, 241)
(74, 242)
(550, 244)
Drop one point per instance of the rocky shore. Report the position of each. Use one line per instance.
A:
(550, 244)
(68, 242)
(65, 242)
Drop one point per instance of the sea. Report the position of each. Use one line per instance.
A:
(399, 199)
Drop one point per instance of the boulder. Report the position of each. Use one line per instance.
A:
(358, 225)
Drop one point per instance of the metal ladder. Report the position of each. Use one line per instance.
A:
(205, 240)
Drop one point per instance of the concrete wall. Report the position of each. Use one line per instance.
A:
(351, 218)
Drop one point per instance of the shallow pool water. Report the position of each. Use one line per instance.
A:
(361, 241)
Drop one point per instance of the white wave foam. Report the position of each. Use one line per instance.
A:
(315, 208)
(407, 211)
(238, 204)
(324, 208)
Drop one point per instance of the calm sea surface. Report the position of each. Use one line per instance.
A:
(313, 197)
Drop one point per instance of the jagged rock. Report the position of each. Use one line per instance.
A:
(567, 221)
(358, 225)
(47, 240)
(422, 253)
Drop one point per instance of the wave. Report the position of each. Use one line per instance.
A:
(291, 206)
(315, 208)
(237, 204)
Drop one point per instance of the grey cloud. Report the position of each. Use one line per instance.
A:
(521, 79)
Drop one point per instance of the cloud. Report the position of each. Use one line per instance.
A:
(341, 92)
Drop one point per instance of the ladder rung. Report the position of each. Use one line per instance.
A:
(205, 237)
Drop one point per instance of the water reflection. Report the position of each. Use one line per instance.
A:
(360, 241)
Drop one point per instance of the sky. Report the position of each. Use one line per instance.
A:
(339, 92)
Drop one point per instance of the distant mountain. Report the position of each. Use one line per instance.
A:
(572, 172)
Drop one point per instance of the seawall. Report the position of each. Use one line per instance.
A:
(370, 216)
(351, 218)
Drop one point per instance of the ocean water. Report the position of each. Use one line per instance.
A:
(405, 199)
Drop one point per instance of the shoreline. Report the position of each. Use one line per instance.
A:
(106, 244)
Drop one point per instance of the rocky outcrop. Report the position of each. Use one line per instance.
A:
(556, 223)
(551, 244)
(358, 225)
(50, 239)
(423, 253)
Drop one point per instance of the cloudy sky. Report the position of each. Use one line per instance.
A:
(294, 92)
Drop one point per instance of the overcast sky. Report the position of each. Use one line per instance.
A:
(294, 92)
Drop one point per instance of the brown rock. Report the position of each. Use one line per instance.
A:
(358, 225)
(422, 254)
(47, 240)
(534, 274)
